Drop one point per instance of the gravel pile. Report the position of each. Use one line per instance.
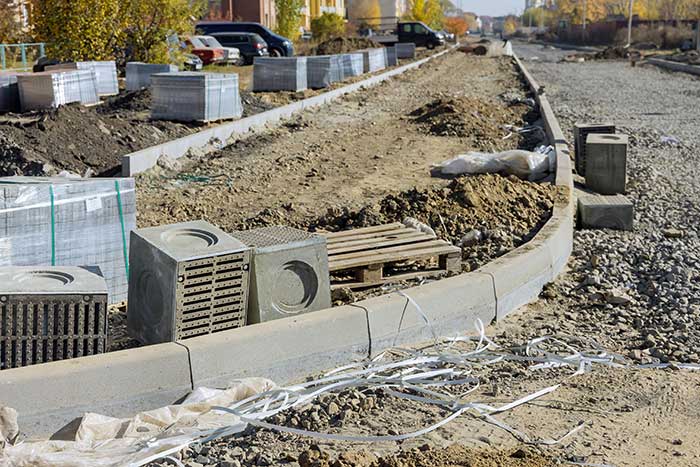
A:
(639, 289)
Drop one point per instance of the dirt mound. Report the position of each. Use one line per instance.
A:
(612, 53)
(341, 45)
(479, 119)
(133, 101)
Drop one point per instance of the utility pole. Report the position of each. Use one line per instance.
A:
(629, 25)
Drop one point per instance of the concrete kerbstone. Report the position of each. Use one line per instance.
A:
(281, 350)
(50, 395)
(675, 66)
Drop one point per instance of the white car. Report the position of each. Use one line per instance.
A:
(232, 55)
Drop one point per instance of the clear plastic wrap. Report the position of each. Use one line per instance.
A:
(353, 65)
(374, 60)
(52, 89)
(138, 74)
(323, 70)
(279, 74)
(69, 222)
(105, 74)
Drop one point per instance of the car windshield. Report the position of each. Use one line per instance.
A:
(211, 42)
(257, 38)
(196, 43)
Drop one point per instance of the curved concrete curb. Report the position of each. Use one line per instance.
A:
(216, 138)
(48, 396)
(675, 66)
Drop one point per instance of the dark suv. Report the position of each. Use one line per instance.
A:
(277, 45)
(420, 34)
(251, 45)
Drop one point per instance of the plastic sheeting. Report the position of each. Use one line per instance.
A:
(391, 56)
(374, 60)
(353, 65)
(405, 50)
(323, 70)
(524, 164)
(105, 74)
(138, 74)
(103, 441)
(280, 74)
(69, 222)
(52, 89)
(193, 96)
(9, 92)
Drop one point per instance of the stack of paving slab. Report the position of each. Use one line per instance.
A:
(280, 74)
(390, 56)
(105, 73)
(405, 50)
(60, 221)
(602, 155)
(138, 74)
(323, 70)
(353, 65)
(374, 60)
(51, 89)
(9, 93)
(192, 96)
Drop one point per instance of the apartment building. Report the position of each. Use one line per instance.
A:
(315, 8)
(258, 11)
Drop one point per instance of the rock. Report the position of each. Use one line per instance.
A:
(344, 295)
(673, 233)
(471, 238)
(169, 164)
(333, 409)
(616, 297)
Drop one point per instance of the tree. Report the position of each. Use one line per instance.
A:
(149, 22)
(79, 29)
(456, 25)
(433, 14)
(369, 12)
(288, 17)
(327, 25)
(510, 25)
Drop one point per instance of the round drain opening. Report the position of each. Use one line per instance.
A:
(190, 238)
(41, 279)
(296, 287)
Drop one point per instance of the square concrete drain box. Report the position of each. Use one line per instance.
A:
(50, 313)
(606, 164)
(186, 280)
(289, 274)
(581, 132)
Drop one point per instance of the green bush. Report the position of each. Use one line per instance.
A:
(327, 25)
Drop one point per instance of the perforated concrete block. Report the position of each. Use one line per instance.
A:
(605, 212)
(581, 132)
(186, 280)
(606, 163)
(289, 274)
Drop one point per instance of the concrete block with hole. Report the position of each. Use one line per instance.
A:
(606, 163)
(289, 273)
(605, 212)
(581, 132)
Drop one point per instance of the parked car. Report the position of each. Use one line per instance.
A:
(249, 44)
(206, 54)
(278, 46)
(447, 35)
(420, 34)
(193, 62)
(232, 54)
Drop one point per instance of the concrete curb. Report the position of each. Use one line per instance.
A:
(50, 395)
(675, 66)
(213, 139)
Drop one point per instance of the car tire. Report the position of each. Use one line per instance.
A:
(276, 53)
(430, 46)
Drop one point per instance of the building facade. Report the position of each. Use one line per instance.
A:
(315, 8)
(257, 11)
(389, 11)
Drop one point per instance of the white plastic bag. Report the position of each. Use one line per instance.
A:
(524, 164)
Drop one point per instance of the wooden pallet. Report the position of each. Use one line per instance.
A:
(364, 254)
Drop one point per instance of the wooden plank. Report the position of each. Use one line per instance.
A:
(388, 250)
(363, 230)
(429, 252)
(388, 279)
(375, 243)
(388, 233)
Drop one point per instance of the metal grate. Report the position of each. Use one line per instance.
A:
(44, 328)
(212, 294)
(272, 236)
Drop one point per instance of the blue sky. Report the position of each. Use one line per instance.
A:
(491, 7)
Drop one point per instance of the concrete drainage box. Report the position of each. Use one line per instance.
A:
(186, 280)
(289, 273)
(50, 313)
(581, 132)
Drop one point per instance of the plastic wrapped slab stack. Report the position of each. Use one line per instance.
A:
(50, 89)
(405, 50)
(353, 65)
(390, 56)
(374, 60)
(105, 72)
(9, 93)
(138, 74)
(59, 221)
(323, 70)
(280, 74)
(190, 96)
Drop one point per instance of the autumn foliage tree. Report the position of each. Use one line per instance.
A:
(327, 25)
(429, 12)
(288, 15)
(368, 12)
(456, 25)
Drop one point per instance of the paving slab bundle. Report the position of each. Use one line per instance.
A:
(51, 89)
(59, 221)
(323, 70)
(51, 313)
(289, 273)
(405, 50)
(353, 65)
(138, 74)
(105, 72)
(280, 74)
(390, 56)
(9, 93)
(374, 60)
(192, 96)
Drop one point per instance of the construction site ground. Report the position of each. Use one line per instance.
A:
(632, 293)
